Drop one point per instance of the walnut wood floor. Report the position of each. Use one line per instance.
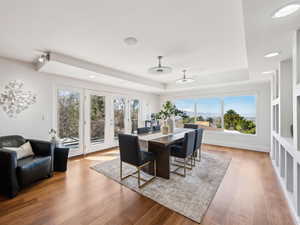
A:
(249, 194)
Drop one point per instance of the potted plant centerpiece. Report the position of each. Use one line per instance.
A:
(167, 115)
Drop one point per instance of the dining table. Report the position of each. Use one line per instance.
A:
(159, 144)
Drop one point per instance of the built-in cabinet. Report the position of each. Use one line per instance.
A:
(285, 139)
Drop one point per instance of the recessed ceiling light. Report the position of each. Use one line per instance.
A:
(286, 10)
(271, 54)
(92, 76)
(268, 72)
(130, 41)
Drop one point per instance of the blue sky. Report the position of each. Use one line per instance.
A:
(244, 105)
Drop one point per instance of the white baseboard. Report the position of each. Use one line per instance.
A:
(286, 194)
(236, 145)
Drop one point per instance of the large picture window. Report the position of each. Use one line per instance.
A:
(208, 113)
(235, 114)
(188, 107)
(240, 114)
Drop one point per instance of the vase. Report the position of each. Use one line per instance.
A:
(165, 128)
(170, 124)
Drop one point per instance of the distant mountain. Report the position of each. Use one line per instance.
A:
(205, 115)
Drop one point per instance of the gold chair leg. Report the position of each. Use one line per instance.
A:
(121, 169)
(154, 168)
(138, 172)
(199, 152)
(179, 167)
(188, 166)
(139, 176)
(184, 168)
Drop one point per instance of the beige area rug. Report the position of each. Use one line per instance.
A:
(189, 196)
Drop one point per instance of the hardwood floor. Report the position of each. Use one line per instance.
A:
(249, 194)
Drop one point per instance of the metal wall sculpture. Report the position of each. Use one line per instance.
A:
(14, 99)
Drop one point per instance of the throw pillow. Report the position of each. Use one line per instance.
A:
(23, 151)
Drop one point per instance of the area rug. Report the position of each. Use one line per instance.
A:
(189, 196)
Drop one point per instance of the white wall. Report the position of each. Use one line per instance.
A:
(258, 142)
(36, 121)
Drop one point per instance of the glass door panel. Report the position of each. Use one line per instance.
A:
(119, 111)
(134, 114)
(68, 119)
(97, 119)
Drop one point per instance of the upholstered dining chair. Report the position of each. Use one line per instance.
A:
(143, 130)
(197, 148)
(131, 153)
(156, 128)
(190, 126)
(183, 151)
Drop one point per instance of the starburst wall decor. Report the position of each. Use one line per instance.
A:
(14, 99)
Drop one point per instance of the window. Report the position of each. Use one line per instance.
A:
(240, 114)
(235, 114)
(187, 106)
(134, 114)
(119, 116)
(68, 115)
(209, 113)
(97, 119)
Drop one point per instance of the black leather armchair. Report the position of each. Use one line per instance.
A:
(16, 174)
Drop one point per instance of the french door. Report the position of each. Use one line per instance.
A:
(68, 118)
(89, 121)
(97, 121)
(119, 121)
(126, 116)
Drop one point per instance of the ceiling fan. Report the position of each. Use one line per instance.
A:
(160, 69)
(184, 79)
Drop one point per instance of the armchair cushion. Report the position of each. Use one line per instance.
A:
(33, 168)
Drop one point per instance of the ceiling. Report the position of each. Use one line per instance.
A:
(265, 35)
(215, 40)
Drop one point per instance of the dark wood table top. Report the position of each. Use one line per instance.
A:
(167, 139)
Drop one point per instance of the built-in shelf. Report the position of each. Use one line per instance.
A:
(282, 161)
(298, 121)
(285, 140)
(289, 172)
(296, 57)
(277, 153)
(297, 90)
(273, 148)
(276, 118)
(286, 97)
(298, 188)
(275, 101)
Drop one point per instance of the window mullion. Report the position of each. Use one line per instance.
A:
(222, 112)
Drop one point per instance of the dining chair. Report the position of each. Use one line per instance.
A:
(131, 153)
(143, 130)
(183, 151)
(156, 128)
(190, 126)
(198, 143)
